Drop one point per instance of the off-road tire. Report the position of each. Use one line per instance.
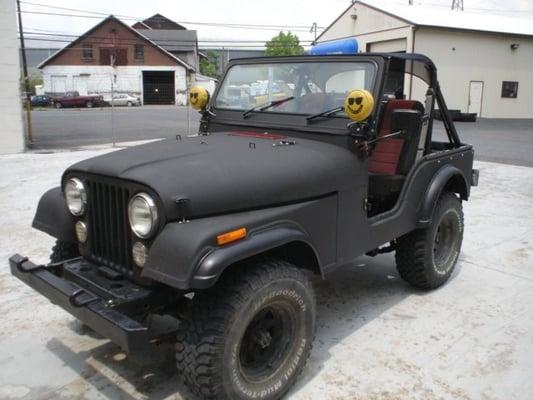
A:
(219, 326)
(426, 257)
(64, 251)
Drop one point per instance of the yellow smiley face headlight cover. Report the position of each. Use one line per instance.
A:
(358, 104)
(198, 98)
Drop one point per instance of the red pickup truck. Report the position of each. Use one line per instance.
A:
(73, 99)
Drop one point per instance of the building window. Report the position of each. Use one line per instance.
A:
(509, 89)
(113, 56)
(139, 52)
(87, 52)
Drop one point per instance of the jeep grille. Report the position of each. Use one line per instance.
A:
(109, 233)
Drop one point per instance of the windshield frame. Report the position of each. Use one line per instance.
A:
(296, 121)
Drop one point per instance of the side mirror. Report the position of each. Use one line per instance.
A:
(199, 98)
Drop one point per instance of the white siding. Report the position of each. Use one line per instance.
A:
(11, 138)
(98, 79)
(367, 21)
(462, 57)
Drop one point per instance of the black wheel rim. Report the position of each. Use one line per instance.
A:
(266, 342)
(445, 242)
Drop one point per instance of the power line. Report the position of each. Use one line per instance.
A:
(97, 15)
(157, 41)
(221, 43)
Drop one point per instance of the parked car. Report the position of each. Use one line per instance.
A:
(123, 99)
(223, 230)
(73, 99)
(41, 101)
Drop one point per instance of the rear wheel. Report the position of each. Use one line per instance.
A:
(64, 251)
(57, 104)
(130, 104)
(89, 104)
(426, 257)
(250, 336)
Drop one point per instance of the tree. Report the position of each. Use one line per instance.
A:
(284, 44)
(209, 65)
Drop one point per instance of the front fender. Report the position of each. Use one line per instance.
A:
(186, 256)
(53, 217)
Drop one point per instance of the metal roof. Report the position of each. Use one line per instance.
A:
(441, 17)
(172, 39)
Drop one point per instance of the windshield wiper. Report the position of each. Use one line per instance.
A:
(327, 113)
(266, 106)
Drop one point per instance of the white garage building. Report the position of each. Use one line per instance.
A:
(485, 62)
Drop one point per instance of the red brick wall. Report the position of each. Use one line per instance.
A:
(105, 37)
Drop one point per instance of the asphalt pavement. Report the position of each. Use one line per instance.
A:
(498, 140)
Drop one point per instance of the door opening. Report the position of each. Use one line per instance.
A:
(475, 97)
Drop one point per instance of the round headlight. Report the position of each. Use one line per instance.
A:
(142, 213)
(75, 196)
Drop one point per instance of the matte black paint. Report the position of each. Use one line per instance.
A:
(312, 192)
(53, 217)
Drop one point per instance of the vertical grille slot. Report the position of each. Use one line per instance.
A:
(110, 240)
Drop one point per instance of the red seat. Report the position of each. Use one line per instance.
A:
(386, 154)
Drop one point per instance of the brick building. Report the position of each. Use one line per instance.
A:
(112, 56)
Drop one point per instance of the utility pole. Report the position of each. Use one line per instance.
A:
(457, 5)
(314, 28)
(25, 76)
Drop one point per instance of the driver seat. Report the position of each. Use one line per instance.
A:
(393, 157)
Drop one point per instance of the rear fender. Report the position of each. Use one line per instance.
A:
(53, 217)
(449, 178)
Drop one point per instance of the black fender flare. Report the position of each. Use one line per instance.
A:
(53, 216)
(450, 176)
(215, 262)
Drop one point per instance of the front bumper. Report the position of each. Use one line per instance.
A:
(93, 294)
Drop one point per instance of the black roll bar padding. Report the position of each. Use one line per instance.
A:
(446, 118)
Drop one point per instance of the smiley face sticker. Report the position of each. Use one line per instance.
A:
(198, 97)
(359, 104)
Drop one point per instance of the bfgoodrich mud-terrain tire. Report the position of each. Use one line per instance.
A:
(250, 336)
(64, 251)
(426, 257)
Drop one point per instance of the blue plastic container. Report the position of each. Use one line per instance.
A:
(343, 46)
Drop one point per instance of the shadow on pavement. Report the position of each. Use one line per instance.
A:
(350, 298)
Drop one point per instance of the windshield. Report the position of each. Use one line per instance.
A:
(316, 86)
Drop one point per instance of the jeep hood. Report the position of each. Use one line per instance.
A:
(228, 172)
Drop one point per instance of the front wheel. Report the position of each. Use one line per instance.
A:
(89, 104)
(250, 336)
(57, 105)
(426, 257)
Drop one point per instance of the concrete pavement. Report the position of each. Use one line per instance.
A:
(377, 338)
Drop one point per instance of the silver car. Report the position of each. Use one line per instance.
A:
(123, 99)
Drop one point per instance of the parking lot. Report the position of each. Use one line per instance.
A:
(377, 337)
(498, 140)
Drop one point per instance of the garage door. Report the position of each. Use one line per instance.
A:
(58, 84)
(388, 46)
(158, 87)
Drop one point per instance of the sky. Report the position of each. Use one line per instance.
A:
(299, 15)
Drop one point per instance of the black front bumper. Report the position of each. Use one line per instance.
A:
(102, 301)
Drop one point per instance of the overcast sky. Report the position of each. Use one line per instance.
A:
(278, 12)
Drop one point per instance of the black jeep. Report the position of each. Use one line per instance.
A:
(223, 229)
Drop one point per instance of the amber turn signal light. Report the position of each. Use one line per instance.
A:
(231, 236)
